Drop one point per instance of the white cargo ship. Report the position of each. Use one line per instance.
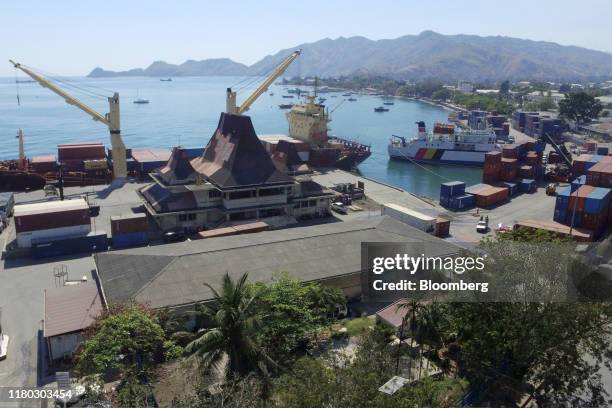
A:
(445, 145)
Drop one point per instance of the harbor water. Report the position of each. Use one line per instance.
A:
(185, 112)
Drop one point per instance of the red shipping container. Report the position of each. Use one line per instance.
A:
(595, 222)
(527, 172)
(81, 151)
(493, 157)
(600, 175)
(37, 222)
(510, 152)
(508, 175)
(123, 224)
(491, 196)
(442, 227)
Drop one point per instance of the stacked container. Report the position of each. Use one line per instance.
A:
(129, 230)
(579, 181)
(603, 151)
(527, 171)
(583, 163)
(509, 169)
(600, 174)
(452, 195)
(477, 119)
(73, 156)
(492, 167)
(587, 207)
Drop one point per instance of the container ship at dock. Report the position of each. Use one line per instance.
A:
(445, 145)
(309, 144)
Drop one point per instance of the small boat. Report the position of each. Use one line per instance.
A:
(285, 106)
(381, 109)
(166, 79)
(139, 100)
(321, 100)
(388, 103)
(271, 93)
(334, 96)
(347, 94)
(351, 99)
(288, 96)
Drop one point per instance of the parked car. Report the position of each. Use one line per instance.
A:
(339, 208)
(174, 236)
(482, 227)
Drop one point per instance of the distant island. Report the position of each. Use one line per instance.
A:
(413, 57)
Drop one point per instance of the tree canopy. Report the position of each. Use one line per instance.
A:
(580, 107)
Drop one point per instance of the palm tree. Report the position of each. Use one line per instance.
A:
(231, 337)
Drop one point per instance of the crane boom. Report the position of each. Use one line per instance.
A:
(111, 119)
(278, 71)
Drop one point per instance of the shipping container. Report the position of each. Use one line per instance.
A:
(597, 201)
(24, 239)
(491, 196)
(92, 242)
(81, 151)
(513, 188)
(51, 214)
(121, 224)
(43, 164)
(462, 202)
(600, 174)
(442, 227)
(493, 157)
(577, 199)
(452, 188)
(413, 218)
(476, 188)
(527, 186)
(602, 151)
(578, 181)
(95, 164)
(130, 239)
(527, 171)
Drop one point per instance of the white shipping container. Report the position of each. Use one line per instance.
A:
(413, 218)
(24, 239)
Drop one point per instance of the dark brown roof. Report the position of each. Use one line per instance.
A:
(234, 156)
(162, 199)
(178, 170)
(71, 308)
(286, 159)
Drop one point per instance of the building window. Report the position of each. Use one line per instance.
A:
(182, 217)
(191, 216)
(214, 193)
(237, 195)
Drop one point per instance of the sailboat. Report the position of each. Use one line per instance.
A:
(139, 100)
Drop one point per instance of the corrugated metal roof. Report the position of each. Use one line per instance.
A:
(174, 274)
(50, 207)
(43, 159)
(71, 308)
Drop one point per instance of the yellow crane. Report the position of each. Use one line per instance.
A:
(230, 101)
(111, 119)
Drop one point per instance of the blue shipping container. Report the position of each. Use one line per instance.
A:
(130, 239)
(512, 188)
(527, 186)
(92, 242)
(598, 201)
(462, 202)
(579, 181)
(452, 188)
(560, 216)
(603, 151)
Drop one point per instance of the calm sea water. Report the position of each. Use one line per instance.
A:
(186, 111)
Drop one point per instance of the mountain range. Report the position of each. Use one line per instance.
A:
(411, 57)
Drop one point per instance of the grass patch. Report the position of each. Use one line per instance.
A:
(356, 326)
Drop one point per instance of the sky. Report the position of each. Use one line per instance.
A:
(73, 37)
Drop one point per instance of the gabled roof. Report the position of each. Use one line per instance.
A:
(286, 159)
(174, 274)
(234, 156)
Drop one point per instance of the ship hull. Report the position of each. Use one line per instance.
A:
(438, 156)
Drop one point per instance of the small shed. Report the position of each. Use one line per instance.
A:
(69, 311)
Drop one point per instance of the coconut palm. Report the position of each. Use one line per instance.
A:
(229, 344)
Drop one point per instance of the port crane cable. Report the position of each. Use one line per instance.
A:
(71, 84)
(57, 76)
(419, 165)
